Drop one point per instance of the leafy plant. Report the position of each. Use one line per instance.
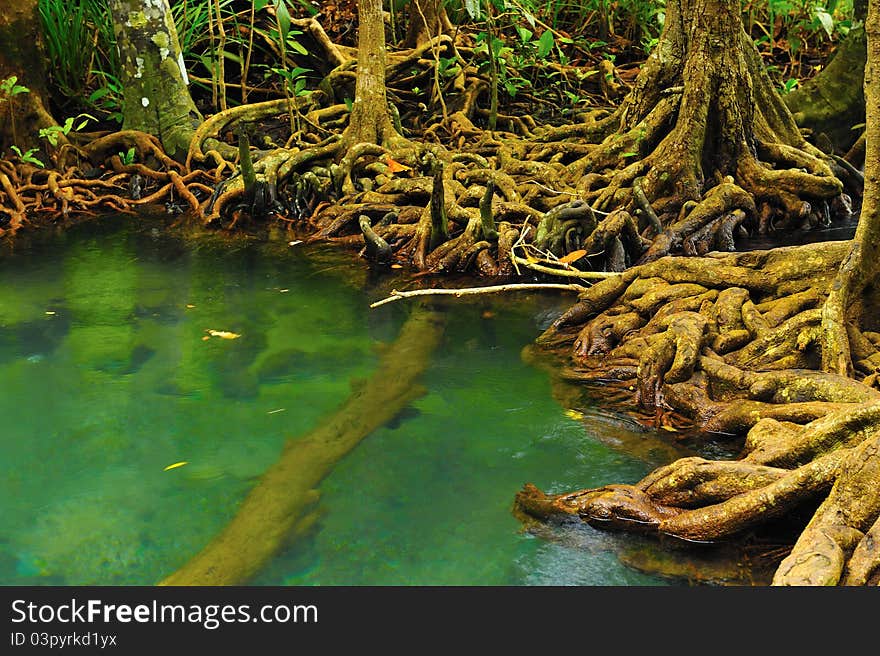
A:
(9, 89)
(51, 133)
(127, 157)
(28, 156)
(81, 48)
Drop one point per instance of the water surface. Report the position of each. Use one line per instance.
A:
(108, 377)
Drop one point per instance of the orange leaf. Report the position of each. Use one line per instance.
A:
(394, 166)
(574, 256)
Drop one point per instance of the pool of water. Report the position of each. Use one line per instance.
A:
(108, 376)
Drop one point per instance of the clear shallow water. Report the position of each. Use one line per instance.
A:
(106, 379)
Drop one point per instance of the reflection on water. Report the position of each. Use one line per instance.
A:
(108, 376)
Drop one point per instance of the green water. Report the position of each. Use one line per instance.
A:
(106, 379)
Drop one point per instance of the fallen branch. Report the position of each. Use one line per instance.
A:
(471, 291)
(281, 505)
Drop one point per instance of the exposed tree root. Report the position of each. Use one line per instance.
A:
(734, 343)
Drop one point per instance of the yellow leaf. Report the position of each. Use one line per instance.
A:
(574, 414)
(396, 266)
(671, 429)
(222, 334)
(189, 306)
(176, 465)
(574, 256)
(206, 338)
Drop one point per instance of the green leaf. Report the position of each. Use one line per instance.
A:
(300, 48)
(628, 154)
(473, 9)
(545, 44)
(28, 156)
(283, 18)
(97, 94)
(826, 20)
(349, 103)
(524, 34)
(259, 4)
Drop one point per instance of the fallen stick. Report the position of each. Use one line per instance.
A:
(472, 291)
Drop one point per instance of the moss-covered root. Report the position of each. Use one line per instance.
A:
(821, 553)
(286, 493)
(751, 495)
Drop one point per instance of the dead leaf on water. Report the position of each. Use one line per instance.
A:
(176, 465)
(222, 334)
(574, 414)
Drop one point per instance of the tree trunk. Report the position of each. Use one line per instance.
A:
(156, 99)
(370, 121)
(833, 102)
(702, 112)
(860, 267)
(427, 20)
(21, 55)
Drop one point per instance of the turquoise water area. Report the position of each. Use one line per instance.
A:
(108, 376)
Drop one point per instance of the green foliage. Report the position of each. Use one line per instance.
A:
(127, 157)
(81, 49)
(792, 27)
(9, 88)
(51, 133)
(28, 156)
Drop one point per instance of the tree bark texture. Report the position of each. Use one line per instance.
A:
(156, 98)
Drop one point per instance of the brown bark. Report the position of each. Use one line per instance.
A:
(427, 20)
(370, 121)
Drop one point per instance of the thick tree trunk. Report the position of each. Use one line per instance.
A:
(156, 99)
(860, 267)
(735, 342)
(21, 55)
(704, 112)
(370, 121)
